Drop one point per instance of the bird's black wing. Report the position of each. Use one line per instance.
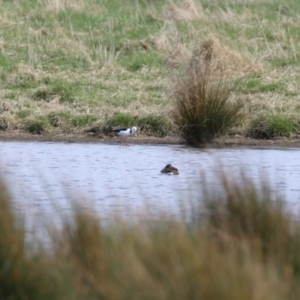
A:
(119, 129)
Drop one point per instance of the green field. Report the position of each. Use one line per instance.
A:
(71, 65)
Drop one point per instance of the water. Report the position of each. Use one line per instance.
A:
(109, 178)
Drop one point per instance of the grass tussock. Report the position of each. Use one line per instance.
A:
(255, 218)
(35, 126)
(155, 125)
(203, 108)
(240, 243)
(272, 126)
(223, 59)
(3, 124)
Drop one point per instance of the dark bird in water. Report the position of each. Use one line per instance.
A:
(169, 169)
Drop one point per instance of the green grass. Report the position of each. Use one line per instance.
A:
(139, 59)
(120, 120)
(36, 126)
(24, 113)
(282, 62)
(155, 125)
(65, 91)
(106, 57)
(3, 124)
(54, 119)
(241, 244)
(152, 124)
(255, 85)
(83, 120)
(268, 127)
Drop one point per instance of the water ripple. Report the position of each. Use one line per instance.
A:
(46, 174)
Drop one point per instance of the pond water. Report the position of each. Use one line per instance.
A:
(43, 177)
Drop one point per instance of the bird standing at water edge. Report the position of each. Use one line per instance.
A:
(124, 133)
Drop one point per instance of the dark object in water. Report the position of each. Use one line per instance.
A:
(169, 169)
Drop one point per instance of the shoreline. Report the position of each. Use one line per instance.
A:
(227, 141)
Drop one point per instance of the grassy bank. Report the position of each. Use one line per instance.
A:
(238, 245)
(71, 65)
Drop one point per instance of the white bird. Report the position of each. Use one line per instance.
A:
(125, 132)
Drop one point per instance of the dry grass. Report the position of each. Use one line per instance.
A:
(185, 12)
(222, 59)
(241, 244)
(121, 57)
(25, 273)
(203, 107)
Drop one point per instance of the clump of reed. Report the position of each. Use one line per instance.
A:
(260, 224)
(203, 108)
(26, 273)
(256, 219)
(238, 244)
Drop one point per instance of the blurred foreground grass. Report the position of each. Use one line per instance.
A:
(238, 245)
(68, 65)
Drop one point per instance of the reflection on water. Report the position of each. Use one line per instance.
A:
(111, 178)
